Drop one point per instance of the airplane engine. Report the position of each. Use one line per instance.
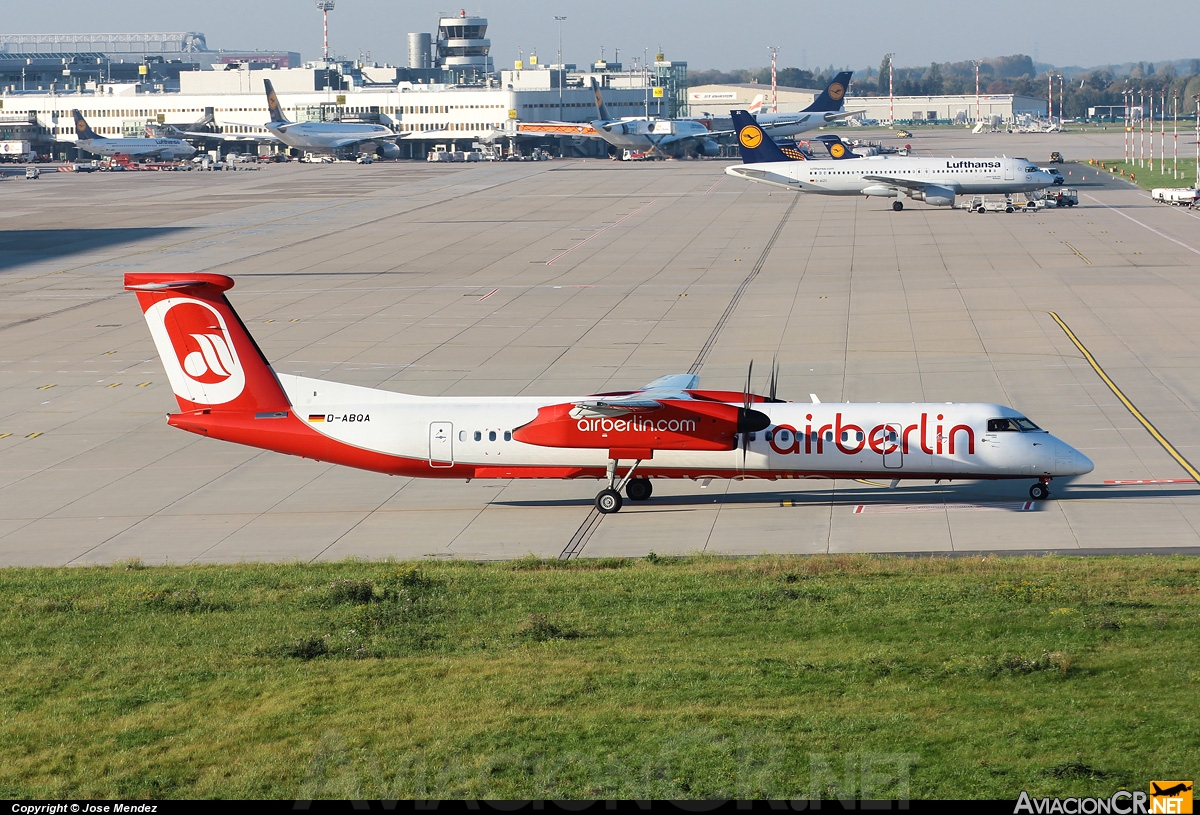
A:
(935, 196)
(708, 148)
(388, 149)
(880, 190)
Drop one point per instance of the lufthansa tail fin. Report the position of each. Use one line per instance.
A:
(212, 362)
(837, 148)
(601, 110)
(82, 129)
(756, 146)
(832, 97)
(273, 104)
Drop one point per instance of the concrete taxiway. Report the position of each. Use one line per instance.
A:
(570, 277)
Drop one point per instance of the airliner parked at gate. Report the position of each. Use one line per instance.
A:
(670, 428)
(936, 181)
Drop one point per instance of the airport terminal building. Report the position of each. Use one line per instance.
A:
(233, 102)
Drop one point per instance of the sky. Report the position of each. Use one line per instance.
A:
(705, 33)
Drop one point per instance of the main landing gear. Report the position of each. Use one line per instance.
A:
(897, 205)
(638, 489)
(1041, 490)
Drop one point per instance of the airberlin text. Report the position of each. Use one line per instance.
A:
(883, 439)
(636, 425)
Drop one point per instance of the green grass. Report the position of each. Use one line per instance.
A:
(656, 678)
(1148, 179)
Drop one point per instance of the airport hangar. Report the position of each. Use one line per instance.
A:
(718, 100)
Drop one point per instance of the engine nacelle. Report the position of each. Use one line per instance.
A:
(935, 196)
(708, 148)
(880, 190)
(388, 149)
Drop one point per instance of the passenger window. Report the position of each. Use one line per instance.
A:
(784, 436)
(845, 435)
(508, 435)
(753, 435)
(462, 435)
(858, 436)
(891, 435)
(478, 435)
(828, 435)
(491, 435)
(770, 434)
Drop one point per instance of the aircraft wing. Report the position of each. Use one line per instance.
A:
(338, 144)
(907, 183)
(235, 137)
(673, 387)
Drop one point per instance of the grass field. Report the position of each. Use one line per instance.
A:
(1148, 178)
(655, 678)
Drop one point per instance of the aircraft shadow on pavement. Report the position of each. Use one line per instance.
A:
(21, 246)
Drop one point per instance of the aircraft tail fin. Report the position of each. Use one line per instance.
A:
(601, 110)
(831, 98)
(212, 362)
(756, 146)
(82, 129)
(838, 150)
(273, 104)
(756, 106)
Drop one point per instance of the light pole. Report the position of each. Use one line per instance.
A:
(562, 69)
(891, 58)
(325, 6)
(774, 82)
(977, 89)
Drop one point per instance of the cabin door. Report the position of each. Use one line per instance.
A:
(441, 444)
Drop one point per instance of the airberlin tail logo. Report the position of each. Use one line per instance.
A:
(197, 351)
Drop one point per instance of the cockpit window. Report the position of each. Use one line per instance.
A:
(1031, 169)
(1018, 424)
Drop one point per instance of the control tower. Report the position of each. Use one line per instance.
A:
(462, 47)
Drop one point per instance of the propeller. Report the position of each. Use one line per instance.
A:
(749, 420)
(773, 382)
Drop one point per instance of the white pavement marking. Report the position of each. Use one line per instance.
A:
(1144, 226)
(597, 234)
(882, 509)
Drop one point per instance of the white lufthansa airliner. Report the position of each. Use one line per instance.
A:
(826, 108)
(936, 181)
(670, 428)
(169, 149)
(328, 137)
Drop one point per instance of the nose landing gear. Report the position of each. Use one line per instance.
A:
(1041, 490)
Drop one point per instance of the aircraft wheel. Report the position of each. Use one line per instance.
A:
(639, 489)
(1008, 209)
(608, 501)
(897, 206)
(1039, 492)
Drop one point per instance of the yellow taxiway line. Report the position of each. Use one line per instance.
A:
(1137, 414)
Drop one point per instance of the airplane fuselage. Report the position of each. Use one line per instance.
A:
(328, 136)
(649, 134)
(962, 176)
(138, 148)
(480, 438)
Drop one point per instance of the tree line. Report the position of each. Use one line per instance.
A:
(998, 75)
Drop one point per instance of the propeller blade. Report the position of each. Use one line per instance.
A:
(745, 434)
(773, 382)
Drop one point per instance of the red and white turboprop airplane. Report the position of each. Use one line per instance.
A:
(668, 429)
